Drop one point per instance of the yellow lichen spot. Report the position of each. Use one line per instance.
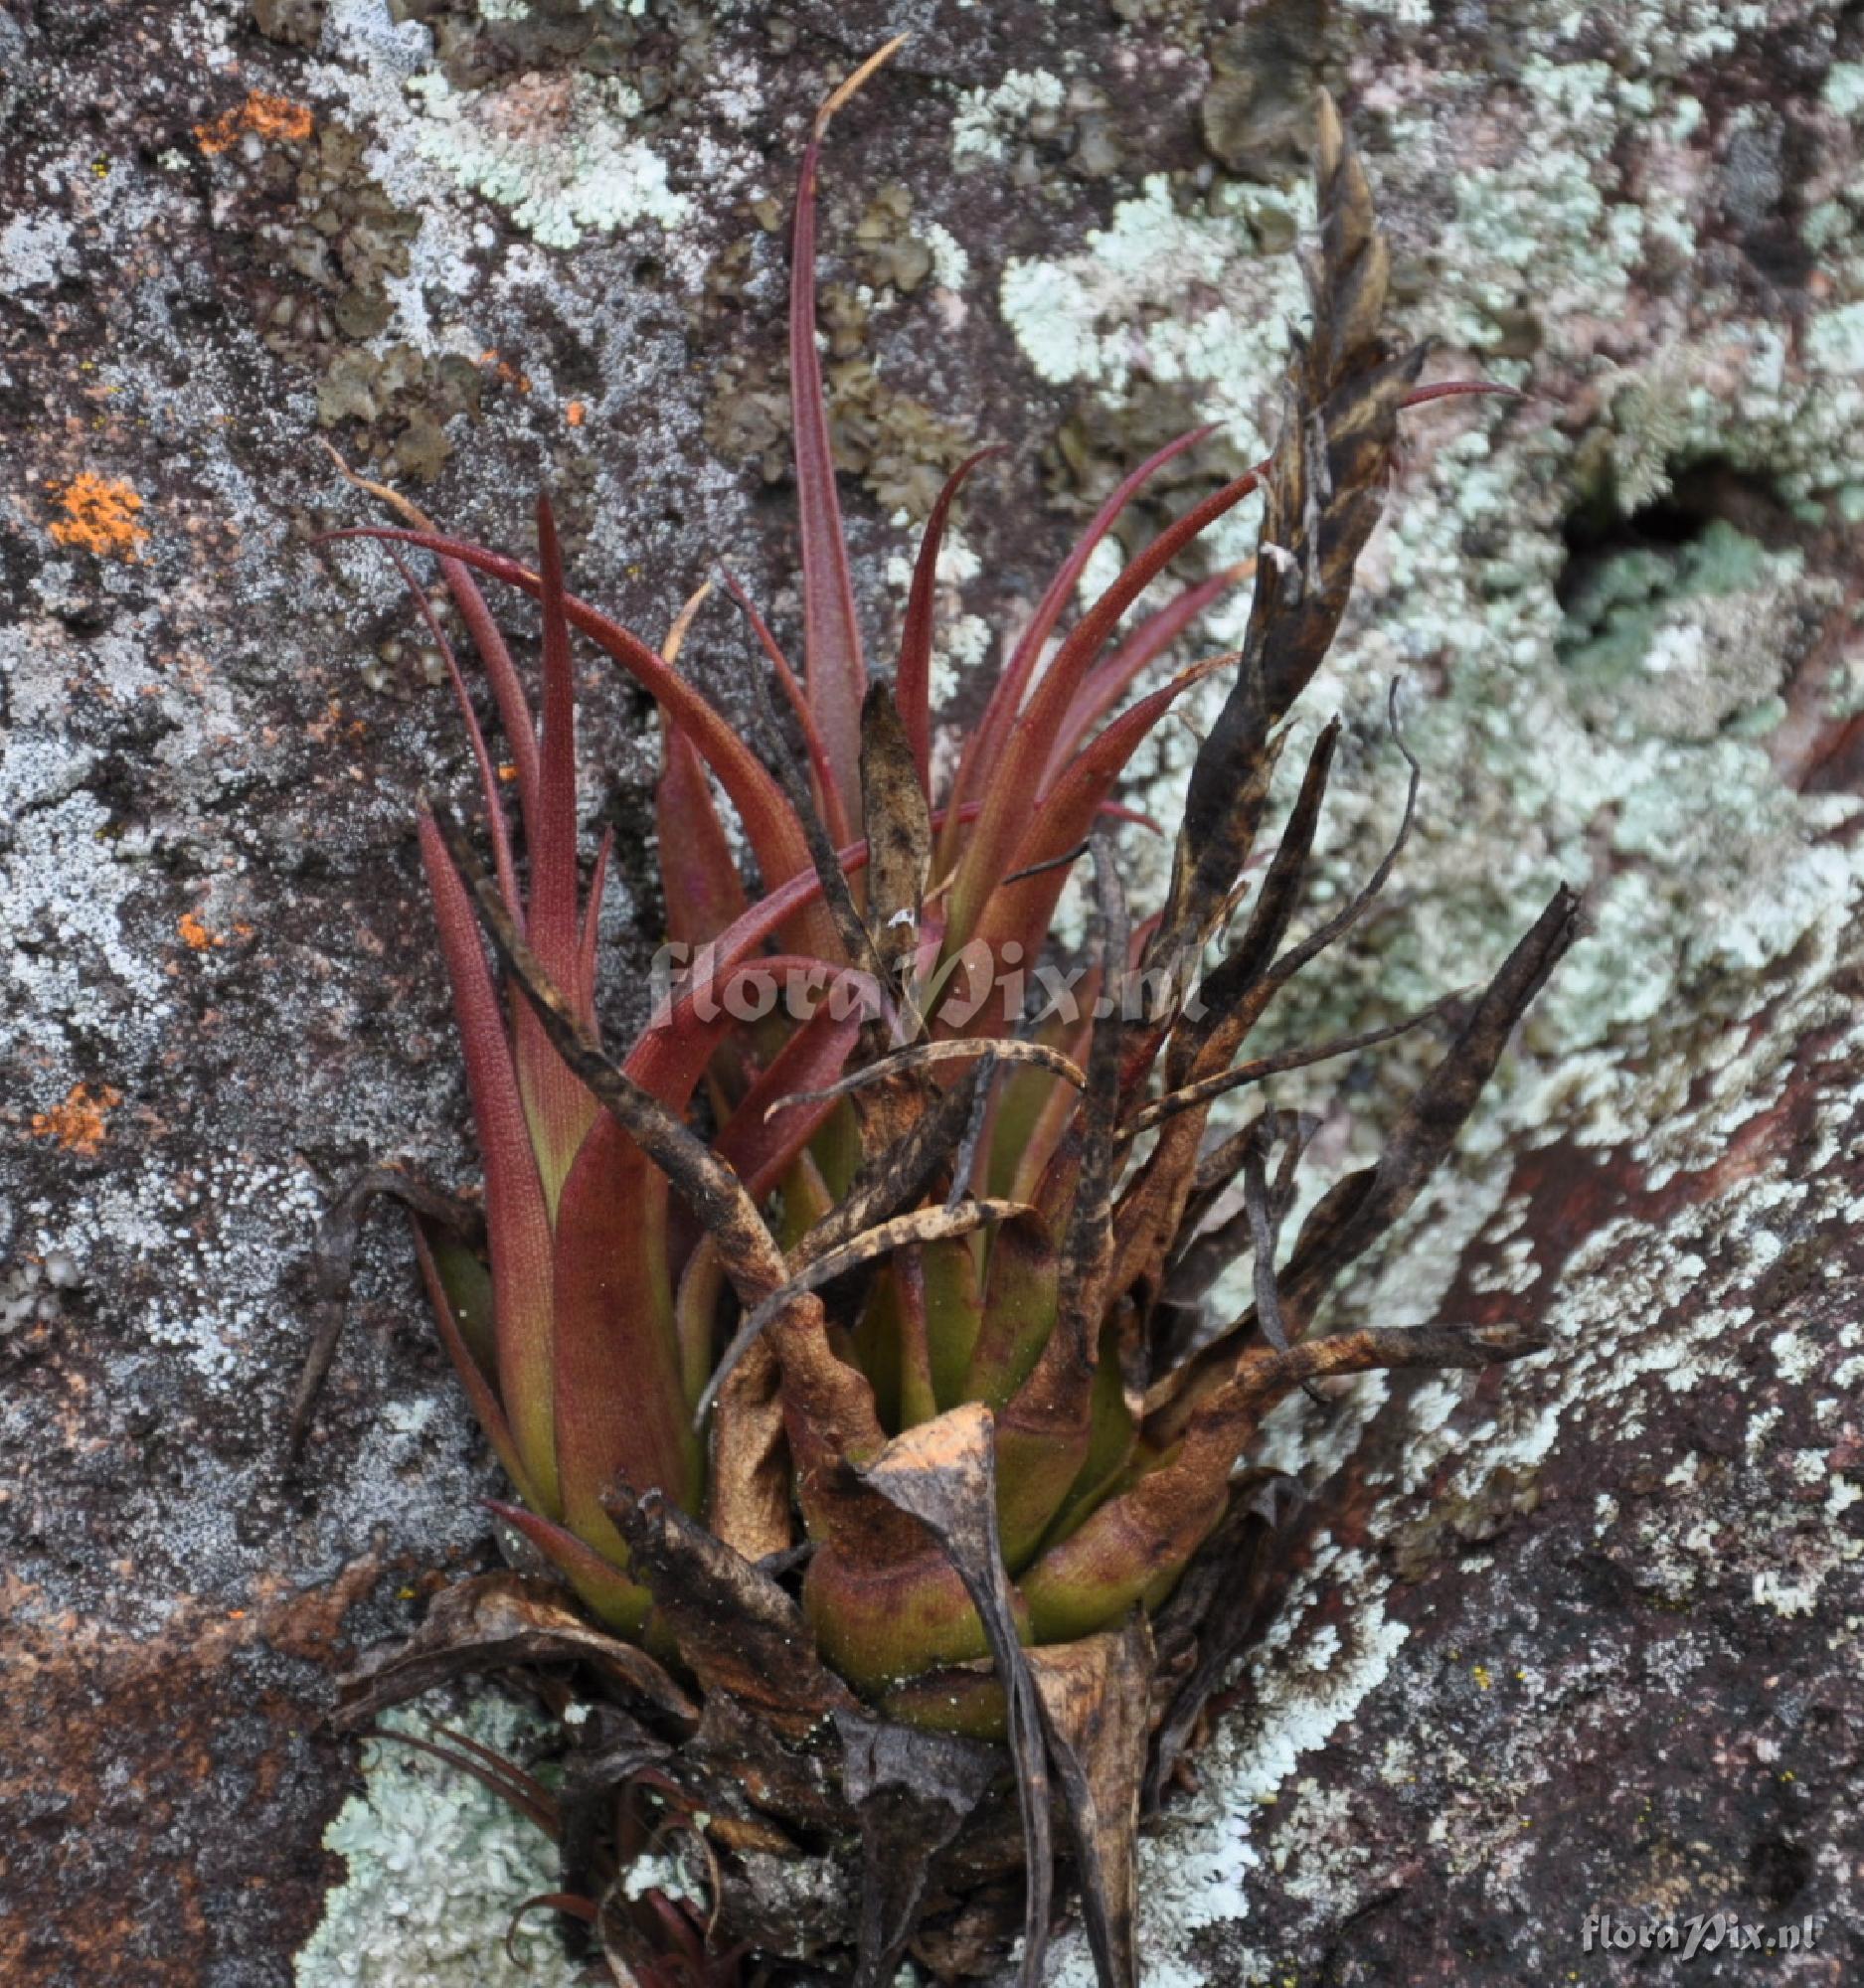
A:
(269, 116)
(1480, 1674)
(79, 1124)
(574, 413)
(100, 517)
(195, 935)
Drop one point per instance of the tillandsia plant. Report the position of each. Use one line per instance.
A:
(849, 1354)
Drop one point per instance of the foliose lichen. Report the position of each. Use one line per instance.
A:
(437, 1866)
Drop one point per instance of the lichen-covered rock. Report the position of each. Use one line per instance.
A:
(1582, 1639)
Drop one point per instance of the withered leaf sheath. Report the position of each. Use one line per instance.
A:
(964, 1549)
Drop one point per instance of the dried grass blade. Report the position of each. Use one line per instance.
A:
(1193, 1096)
(917, 1056)
(921, 1225)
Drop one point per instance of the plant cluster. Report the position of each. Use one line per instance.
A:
(849, 1354)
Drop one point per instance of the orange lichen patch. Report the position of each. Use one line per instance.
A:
(99, 516)
(503, 370)
(276, 117)
(80, 1124)
(195, 935)
(575, 412)
(269, 116)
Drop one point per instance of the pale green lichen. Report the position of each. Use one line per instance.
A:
(560, 156)
(437, 1866)
(952, 267)
(987, 119)
(1616, 737)
(1648, 720)
(524, 10)
(1843, 91)
(1170, 293)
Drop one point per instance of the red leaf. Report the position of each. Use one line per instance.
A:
(672, 1052)
(814, 1058)
(911, 686)
(514, 709)
(1009, 804)
(552, 927)
(489, 796)
(559, 1107)
(620, 1401)
(838, 674)
(770, 823)
(479, 1393)
(591, 925)
(1107, 681)
(703, 891)
(829, 796)
(751, 930)
(1032, 739)
(515, 1211)
(986, 743)
(1022, 911)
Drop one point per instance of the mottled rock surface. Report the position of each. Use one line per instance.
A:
(1581, 1640)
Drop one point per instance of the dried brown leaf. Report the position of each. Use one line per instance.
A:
(913, 1792)
(943, 1473)
(1096, 1698)
(748, 1488)
(900, 1174)
(1430, 1123)
(502, 1620)
(736, 1629)
(1325, 489)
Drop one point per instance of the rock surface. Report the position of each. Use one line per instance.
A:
(1581, 1640)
